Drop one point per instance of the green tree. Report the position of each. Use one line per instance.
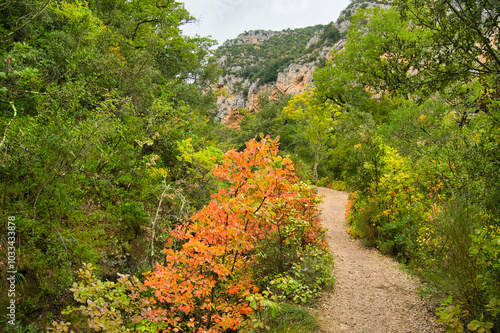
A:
(465, 35)
(315, 118)
(379, 58)
(265, 121)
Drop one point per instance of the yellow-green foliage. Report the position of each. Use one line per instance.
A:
(420, 147)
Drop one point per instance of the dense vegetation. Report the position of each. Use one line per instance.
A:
(92, 96)
(111, 163)
(110, 154)
(260, 232)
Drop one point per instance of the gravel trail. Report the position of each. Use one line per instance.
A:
(371, 294)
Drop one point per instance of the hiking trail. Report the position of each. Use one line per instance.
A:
(371, 294)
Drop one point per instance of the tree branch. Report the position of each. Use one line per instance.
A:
(29, 19)
(142, 22)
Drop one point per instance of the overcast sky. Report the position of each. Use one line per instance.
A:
(226, 19)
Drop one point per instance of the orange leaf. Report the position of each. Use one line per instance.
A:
(245, 310)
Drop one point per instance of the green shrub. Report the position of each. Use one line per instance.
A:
(302, 276)
(323, 182)
(398, 238)
(364, 221)
(458, 271)
(467, 265)
(338, 185)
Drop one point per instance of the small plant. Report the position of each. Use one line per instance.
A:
(450, 314)
(18, 328)
(480, 326)
(305, 278)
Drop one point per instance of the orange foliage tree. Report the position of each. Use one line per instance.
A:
(206, 285)
(207, 282)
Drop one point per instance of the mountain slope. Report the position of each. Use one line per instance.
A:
(276, 62)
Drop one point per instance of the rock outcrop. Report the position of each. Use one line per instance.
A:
(239, 93)
(252, 37)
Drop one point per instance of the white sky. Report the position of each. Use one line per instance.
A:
(226, 19)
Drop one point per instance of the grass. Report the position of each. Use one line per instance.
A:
(293, 318)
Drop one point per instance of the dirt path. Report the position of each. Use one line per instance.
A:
(371, 295)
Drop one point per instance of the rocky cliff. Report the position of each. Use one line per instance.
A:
(276, 62)
(292, 80)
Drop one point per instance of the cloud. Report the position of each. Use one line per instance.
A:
(223, 7)
(289, 6)
(225, 19)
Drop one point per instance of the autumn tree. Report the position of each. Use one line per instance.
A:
(209, 279)
(207, 282)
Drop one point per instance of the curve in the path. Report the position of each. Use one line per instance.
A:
(371, 294)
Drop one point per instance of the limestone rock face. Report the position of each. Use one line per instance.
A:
(295, 78)
(344, 20)
(252, 37)
(239, 94)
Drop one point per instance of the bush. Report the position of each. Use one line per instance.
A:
(305, 273)
(398, 238)
(323, 182)
(209, 278)
(469, 267)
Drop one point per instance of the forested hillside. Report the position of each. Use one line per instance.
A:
(260, 55)
(127, 206)
(269, 61)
